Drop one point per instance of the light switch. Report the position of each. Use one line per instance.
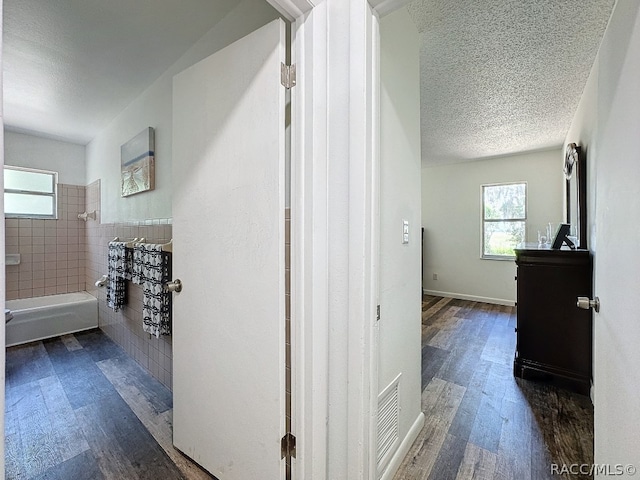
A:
(405, 232)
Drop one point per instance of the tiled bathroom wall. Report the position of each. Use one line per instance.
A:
(52, 252)
(125, 326)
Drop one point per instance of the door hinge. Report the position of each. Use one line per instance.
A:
(288, 445)
(377, 313)
(288, 75)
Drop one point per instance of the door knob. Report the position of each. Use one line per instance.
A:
(586, 303)
(175, 286)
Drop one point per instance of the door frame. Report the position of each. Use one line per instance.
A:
(317, 211)
(323, 94)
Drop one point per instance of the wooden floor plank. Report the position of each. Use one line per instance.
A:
(449, 459)
(13, 463)
(38, 440)
(159, 424)
(429, 301)
(99, 346)
(432, 360)
(487, 425)
(438, 320)
(489, 422)
(466, 352)
(464, 420)
(13, 440)
(445, 336)
(69, 439)
(468, 309)
(477, 464)
(82, 380)
(122, 371)
(541, 460)
(71, 342)
(433, 311)
(440, 401)
(112, 461)
(27, 363)
(501, 344)
(131, 452)
(514, 451)
(81, 467)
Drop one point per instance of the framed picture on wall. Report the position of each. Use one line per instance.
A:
(137, 160)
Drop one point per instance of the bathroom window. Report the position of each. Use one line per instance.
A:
(29, 193)
(504, 216)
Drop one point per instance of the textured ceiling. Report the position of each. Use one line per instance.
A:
(70, 66)
(502, 76)
(498, 76)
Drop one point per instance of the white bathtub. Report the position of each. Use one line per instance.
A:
(50, 316)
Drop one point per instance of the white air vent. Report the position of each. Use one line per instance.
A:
(388, 415)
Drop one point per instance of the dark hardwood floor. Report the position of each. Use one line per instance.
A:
(77, 407)
(481, 422)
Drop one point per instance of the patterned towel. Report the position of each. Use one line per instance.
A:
(152, 269)
(117, 268)
(137, 263)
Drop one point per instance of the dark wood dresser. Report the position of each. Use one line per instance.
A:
(554, 336)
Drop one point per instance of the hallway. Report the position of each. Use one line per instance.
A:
(481, 422)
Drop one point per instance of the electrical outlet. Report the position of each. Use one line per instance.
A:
(435, 276)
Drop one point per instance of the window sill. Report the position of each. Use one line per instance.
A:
(502, 258)
(27, 216)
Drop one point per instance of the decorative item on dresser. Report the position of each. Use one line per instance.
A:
(554, 336)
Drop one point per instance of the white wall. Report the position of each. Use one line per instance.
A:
(153, 109)
(68, 159)
(451, 216)
(582, 132)
(399, 276)
(607, 123)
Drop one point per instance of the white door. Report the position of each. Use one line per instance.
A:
(617, 258)
(228, 231)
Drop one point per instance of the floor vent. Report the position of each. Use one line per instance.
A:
(388, 416)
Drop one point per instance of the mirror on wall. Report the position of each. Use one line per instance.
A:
(576, 190)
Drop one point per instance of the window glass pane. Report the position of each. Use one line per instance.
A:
(500, 238)
(504, 201)
(26, 204)
(31, 181)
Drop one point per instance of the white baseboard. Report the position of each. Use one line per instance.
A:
(403, 449)
(473, 298)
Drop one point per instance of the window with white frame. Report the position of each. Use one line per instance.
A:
(29, 193)
(504, 216)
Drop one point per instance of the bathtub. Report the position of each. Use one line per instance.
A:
(51, 316)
